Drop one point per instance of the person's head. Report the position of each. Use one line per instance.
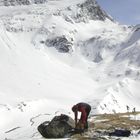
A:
(74, 108)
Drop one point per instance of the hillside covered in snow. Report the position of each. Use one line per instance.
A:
(56, 53)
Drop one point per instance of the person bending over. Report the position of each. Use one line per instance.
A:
(85, 109)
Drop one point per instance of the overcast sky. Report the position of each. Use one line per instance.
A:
(124, 11)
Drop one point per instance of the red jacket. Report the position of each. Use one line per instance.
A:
(81, 107)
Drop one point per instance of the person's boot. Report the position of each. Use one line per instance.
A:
(86, 126)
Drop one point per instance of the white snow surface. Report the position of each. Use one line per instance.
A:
(38, 82)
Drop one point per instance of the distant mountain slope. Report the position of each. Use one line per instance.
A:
(130, 49)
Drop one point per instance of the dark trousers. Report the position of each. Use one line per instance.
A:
(88, 109)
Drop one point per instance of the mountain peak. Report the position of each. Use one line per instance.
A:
(92, 10)
(82, 9)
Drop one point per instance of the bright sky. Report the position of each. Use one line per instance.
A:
(124, 11)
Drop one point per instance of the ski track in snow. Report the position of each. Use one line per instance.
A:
(32, 119)
(13, 129)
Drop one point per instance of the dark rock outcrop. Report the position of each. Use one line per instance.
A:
(83, 12)
(61, 43)
(21, 2)
(91, 10)
(59, 127)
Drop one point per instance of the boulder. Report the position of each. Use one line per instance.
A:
(59, 127)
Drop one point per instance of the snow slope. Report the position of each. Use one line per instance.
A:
(29, 75)
(131, 49)
(57, 54)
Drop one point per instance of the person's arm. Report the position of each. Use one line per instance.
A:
(76, 114)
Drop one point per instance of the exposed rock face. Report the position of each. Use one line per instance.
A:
(16, 2)
(61, 43)
(57, 128)
(20, 2)
(91, 10)
(83, 12)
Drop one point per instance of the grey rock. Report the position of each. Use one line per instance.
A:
(91, 10)
(83, 12)
(59, 127)
(62, 44)
(98, 58)
(21, 2)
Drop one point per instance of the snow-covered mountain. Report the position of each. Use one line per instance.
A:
(58, 53)
(130, 49)
(20, 2)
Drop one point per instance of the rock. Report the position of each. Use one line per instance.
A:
(120, 133)
(83, 12)
(91, 10)
(61, 43)
(59, 127)
(21, 2)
